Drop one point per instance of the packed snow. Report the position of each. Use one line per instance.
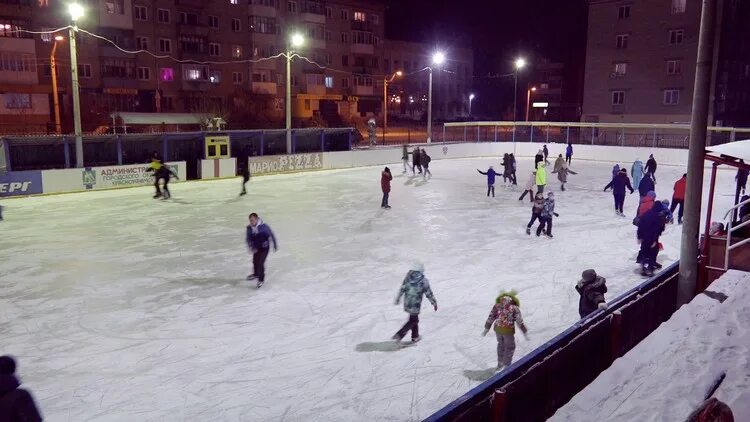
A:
(668, 375)
(121, 307)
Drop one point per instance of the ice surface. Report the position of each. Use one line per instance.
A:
(120, 307)
(668, 374)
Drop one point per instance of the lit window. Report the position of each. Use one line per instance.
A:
(167, 74)
(237, 52)
(671, 96)
(192, 74)
(234, 1)
(360, 17)
(215, 76)
(329, 81)
(674, 67)
(623, 12)
(622, 41)
(676, 36)
(678, 6)
(621, 69)
(618, 98)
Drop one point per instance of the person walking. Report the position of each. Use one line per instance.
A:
(618, 185)
(651, 166)
(425, 161)
(413, 288)
(538, 158)
(506, 169)
(541, 177)
(385, 185)
(416, 158)
(636, 170)
(257, 237)
(569, 153)
(591, 287)
(491, 174)
(405, 158)
(504, 316)
(650, 227)
(16, 404)
(647, 185)
(245, 173)
(678, 197)
(562, 173)
(536, 211)
(546, 154)
(529, 187)
(513, 168)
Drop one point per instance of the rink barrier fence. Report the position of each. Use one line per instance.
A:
(535, 386)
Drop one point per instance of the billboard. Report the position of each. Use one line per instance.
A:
(94, 178)
(17, 183)
(285, 163)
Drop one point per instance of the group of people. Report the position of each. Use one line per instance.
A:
(420, 161)
(508, 175)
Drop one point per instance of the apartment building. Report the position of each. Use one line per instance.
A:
(452, 81)
(640, 60)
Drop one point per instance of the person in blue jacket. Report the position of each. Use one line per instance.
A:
(490, 173)
(618, 185)
(569, 153)
(257, 238)
(636, 170)
(650, 227)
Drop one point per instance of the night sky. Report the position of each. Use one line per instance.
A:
(498, 31)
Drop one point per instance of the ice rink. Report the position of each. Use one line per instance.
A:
(120, 307)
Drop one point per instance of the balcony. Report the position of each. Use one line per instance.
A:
(258, 10)
(201, 85)
(363, 90)
(122, 83)
(362, 26)
(18, 45)
(269, 88)
(363, 49)
(197, 30)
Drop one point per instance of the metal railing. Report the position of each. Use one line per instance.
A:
(730, 229)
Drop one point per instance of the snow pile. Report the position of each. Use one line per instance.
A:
(668, 374)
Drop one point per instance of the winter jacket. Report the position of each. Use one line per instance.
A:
(615, 170)
(646, 186)
(405, 154)
(537, 206)
(619, 183)
(385, 181)
(505, 315)
(531, 184)
(569, 151)
(490, 173)
(548, 209)
(647, 202)
(545, 151)
(592, 294)
(165, 172)
(425, 160)
(512, 163)
(539, 157)
(16, 404)
(651, 224)
(679, 188)
(415, 286)
(507, 169)
(257, 237)
(416, 156)
(559, 163)
(562, 174)
(651, 165)
(541, 174)
(636, 170)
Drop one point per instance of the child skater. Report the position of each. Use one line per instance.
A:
(505, 315)
(490, 173)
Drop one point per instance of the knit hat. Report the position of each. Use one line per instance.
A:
(622, 170)
(511, 294)
(651, 194)
(418, 267)
(7, 365)
(551, 195)
(589, 275)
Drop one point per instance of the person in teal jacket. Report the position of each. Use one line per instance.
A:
(637, 172)
(414, 287)
(541, 177)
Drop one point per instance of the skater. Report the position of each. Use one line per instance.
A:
(545, 220)
(385, 185)
(154, 167)
(257, 238)
(562, 172)
(741, 179)
(536, 211)
(538, 158)
(405, 158)
(541, 177)
(650, 227)
(569, 153)
(647, 185)
(506, 169)
(678, 197)
(618, 185)
(513, 168)
(651, 166)
(558, 163)
(415, 286)
(529, 187)
(668, 215)
(425, 161)
(647, 202)
(490, 173)
(165, 173)
(505, 315)
(591, 287)
(416, 157)
(245, 173)
(16, 404)
(636, 170)
(546, 153)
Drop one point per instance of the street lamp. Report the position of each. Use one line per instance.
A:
(295, 41)
(528, 100)
(519, 64)
(437, 59)
(53, 70)
(471, 98)
(385, 100)
(75, 11)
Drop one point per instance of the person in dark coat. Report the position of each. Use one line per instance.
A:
(245, 173)
(425, 161)
(569, 153)
(506, 168)
(647, 185)
(618, 185)
(257, 238)
(546, 154)
(651, 166)
(591, 287)
(538, 158)
(491, 174)
(16, 404)
(513, 168)
(416, 158)
(165, 173)
(385, 185)
(741, 179)
(650, 227)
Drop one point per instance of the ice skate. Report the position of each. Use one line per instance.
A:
(396, 338)
(259, 285)
(251, 277)
(528, 231)
(549, 235)
(416, 339)
(499, 368)
(387, 207)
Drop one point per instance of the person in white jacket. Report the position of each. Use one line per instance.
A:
(529, 187)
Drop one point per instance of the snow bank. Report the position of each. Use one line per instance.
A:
(668, 374)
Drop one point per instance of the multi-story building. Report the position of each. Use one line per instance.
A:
(452, 81)
(640, 60)
(732, 94)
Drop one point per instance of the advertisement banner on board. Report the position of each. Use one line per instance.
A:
(285, 163)
(94, 178)
(18, 183)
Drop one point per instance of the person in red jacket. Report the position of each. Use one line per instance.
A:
(385, 184)
(678, 197)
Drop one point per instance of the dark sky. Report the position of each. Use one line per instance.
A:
(497, 30)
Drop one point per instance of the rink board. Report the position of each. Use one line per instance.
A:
(97, 178)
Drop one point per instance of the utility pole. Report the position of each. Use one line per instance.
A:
(53, 71)
(686, 288)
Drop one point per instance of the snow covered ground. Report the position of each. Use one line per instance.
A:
(668, 375)
(120, 307)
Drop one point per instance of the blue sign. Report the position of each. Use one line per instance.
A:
(17, 183)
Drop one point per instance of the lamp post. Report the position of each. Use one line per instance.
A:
(53, 70)
(528, 100)
(385, 100)
(76, 12)
(471, 98)
(296, 41)
(520, 63)
(437, 60)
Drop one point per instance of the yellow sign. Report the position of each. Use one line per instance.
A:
(217, 146)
